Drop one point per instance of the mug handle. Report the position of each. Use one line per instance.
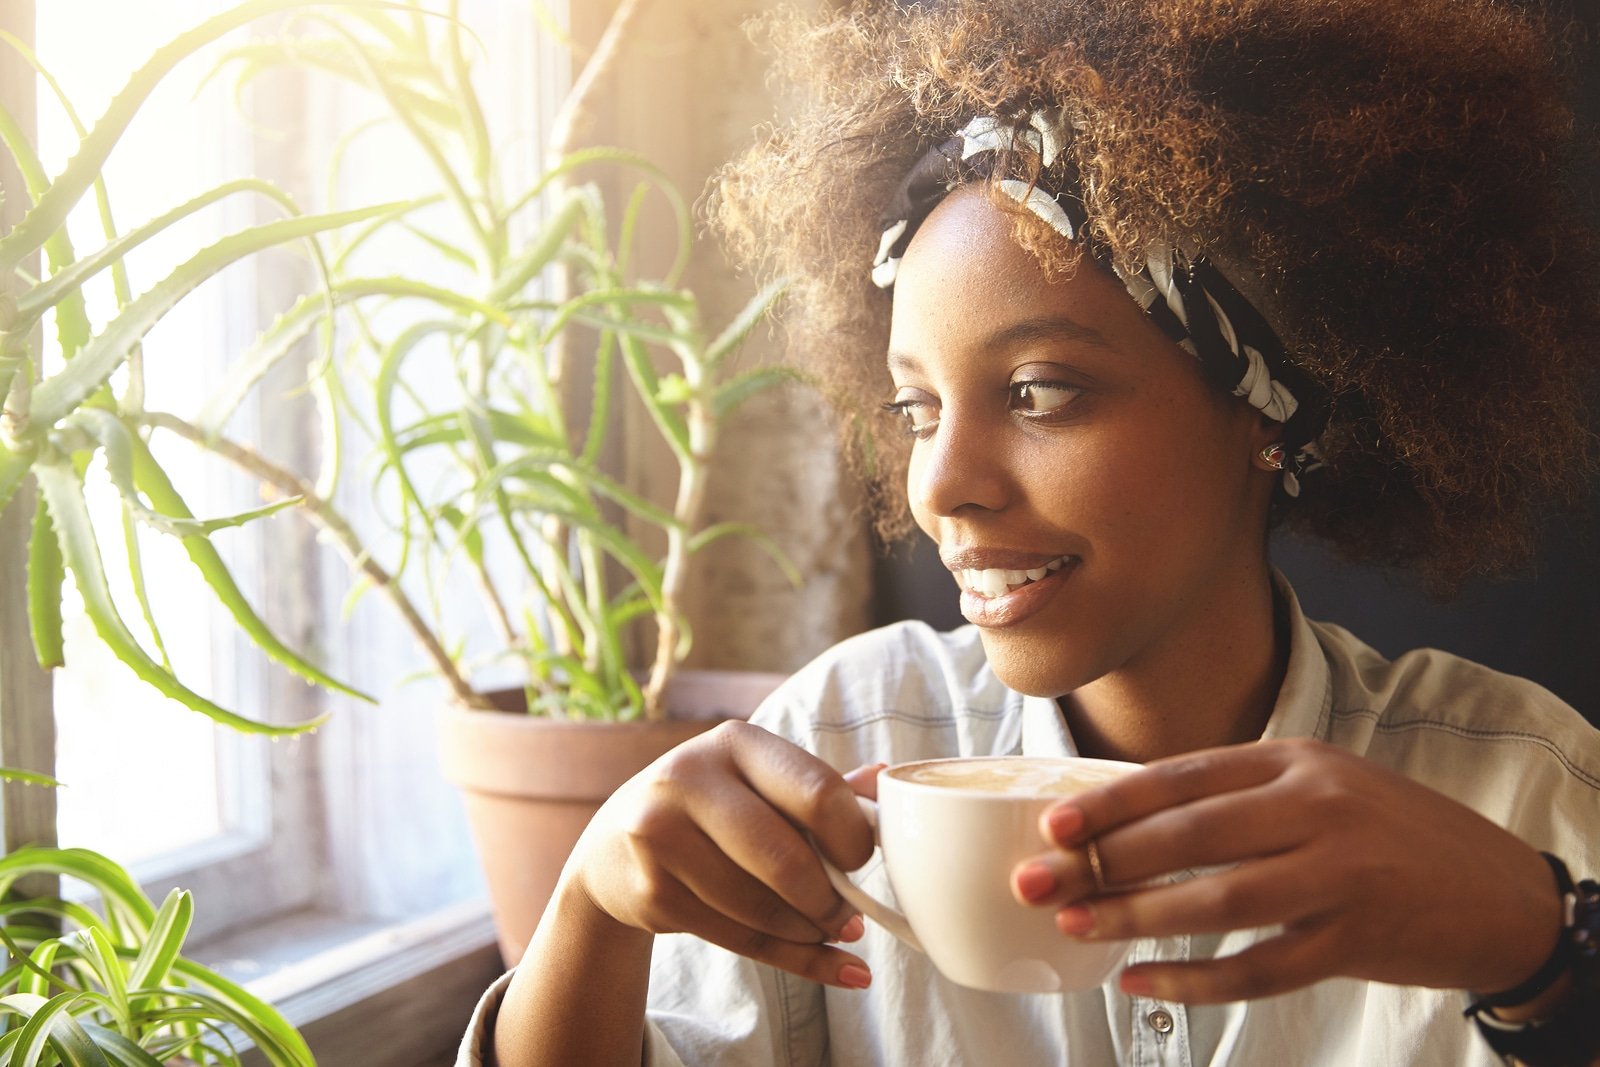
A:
(870, 906)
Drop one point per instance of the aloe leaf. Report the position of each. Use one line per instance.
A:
(735, 391)
(141, 591)
(589, 156)
(72, 320)
(738, 329)
(53, 206)
(477, 130)
(59, 394)
(46, 575)
(12, 774)
(668, 421)
(121, 446)
(150, 478)
(752, 533)
(165, 941)
(562, 464)
(292, 325)
(14, 466)
(70, 513)
(47, 293)
(383, 391)
(539, 253)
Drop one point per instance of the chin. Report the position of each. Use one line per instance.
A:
(1035, 668)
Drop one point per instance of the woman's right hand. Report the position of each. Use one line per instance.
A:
(711, 840)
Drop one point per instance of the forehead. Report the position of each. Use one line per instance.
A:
(965, 278)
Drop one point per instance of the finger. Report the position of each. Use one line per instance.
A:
(765, 845)
(1281, 964)
(864, 780)
(811, 794)
(1175, 839)
(680, 910)
(1161, 785)
(706, 871)
(1264, 893)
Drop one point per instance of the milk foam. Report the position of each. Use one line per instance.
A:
(1010, 775)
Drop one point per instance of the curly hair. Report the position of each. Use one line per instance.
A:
(1383, 178)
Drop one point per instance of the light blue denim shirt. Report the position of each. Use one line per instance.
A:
(1501, 745)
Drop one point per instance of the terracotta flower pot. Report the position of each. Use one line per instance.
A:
(532, 784)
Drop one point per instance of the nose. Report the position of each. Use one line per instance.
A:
(959, 468)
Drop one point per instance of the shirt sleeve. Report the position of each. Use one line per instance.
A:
(475, 1043)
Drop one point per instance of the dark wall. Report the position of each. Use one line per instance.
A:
(1544, 626)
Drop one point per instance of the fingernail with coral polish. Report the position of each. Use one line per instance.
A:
(1035, 881)
(1065, 820)
(852, 930)
(854, 976)
(1075, 921)
(1135, 984)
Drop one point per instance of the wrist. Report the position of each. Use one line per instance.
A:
(1553, 1018)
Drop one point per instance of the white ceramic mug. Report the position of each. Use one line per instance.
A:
(951, 831)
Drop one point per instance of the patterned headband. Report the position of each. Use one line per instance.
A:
(1187, 297)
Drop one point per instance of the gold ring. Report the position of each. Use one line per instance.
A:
(1095, 868)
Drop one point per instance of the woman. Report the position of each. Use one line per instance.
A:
(1150, 275)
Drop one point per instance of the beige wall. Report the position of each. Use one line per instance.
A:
(688, 93)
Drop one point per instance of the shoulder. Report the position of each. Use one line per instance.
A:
(1505, 745)
(889, 693)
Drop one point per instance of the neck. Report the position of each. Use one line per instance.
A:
(1214, 685)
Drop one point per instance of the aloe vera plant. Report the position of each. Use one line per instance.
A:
(111, 988)
(524, 503)
(53, 425)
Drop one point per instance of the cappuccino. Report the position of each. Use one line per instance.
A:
(1009, 775)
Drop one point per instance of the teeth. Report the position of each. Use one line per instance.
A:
(994, 581)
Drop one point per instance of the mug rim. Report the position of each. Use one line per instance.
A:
(891, 773)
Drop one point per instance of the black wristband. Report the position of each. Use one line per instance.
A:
(1554, 966)
(1570, 1037)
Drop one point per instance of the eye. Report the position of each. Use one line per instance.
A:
(1042, 398)
(919, 414)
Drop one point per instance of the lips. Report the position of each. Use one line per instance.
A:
(1001, 588)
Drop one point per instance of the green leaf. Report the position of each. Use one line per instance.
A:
(734, 334)
(70, 513)
(46, 576)
(540, 251)
(129, 912)
(50, 212)
(735, 391)
(279, 1042)
(165, 942)
(50, 1023)
(150, 478)
(62, 392)
(753, 533)
(47, 293)
(290, 327)
(14, 466)
(118, 1050)
(12, 774)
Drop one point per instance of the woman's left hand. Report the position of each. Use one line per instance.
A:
(1370, 874)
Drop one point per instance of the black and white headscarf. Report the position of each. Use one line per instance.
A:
(1186, 295)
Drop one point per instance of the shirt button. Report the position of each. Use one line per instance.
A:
(1160, 1021)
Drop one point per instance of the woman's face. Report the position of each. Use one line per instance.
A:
(1059, 432)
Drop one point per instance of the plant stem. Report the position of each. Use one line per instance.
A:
(693, 472)
(323, 515)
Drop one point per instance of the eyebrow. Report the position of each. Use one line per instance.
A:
(1024, 331)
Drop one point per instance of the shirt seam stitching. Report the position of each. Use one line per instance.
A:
(1389, 727)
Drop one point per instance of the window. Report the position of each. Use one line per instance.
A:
(345, 841)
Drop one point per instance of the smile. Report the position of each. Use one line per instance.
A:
(994, 581)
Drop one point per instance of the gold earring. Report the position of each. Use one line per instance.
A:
(1273, 455)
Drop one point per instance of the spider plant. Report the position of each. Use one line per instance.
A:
(111, 988)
